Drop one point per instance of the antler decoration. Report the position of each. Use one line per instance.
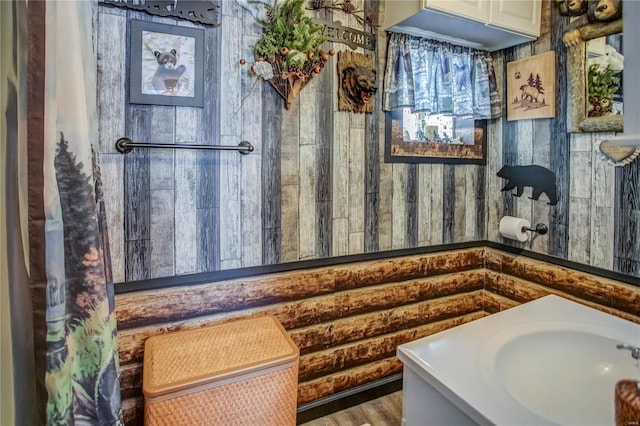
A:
(349, 8)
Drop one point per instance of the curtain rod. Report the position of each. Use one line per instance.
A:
(126, 145)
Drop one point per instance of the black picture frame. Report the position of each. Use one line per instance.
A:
(151, 83)
(398, 150)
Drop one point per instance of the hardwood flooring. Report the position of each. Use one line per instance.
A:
(383, 411)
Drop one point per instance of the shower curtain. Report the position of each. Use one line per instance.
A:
(76, 355)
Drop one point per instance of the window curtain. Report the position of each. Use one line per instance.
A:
(439, 78)
(77, 369)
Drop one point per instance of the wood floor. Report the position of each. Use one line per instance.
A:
(383, 411)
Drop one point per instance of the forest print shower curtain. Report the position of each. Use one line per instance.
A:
(81, 356)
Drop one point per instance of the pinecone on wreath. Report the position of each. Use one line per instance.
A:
(317, 4)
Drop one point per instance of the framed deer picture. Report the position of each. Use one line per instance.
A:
(531, 87)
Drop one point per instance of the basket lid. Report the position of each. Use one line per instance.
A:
(186, 359)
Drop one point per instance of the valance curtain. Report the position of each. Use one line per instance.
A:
(439, 78)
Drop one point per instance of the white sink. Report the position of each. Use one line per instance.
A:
(546, 371)
(549, 361)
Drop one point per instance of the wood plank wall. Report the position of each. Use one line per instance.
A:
(316, 185)
(348, 320)
(596, 220)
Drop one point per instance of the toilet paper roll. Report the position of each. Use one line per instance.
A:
(511, 227)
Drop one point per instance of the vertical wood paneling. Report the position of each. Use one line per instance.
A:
(161, 185)
(460, 206)
(231, 132)
(307, 193)
(290, 172)
(423, 204)
(372, 153)
(271, 197)
(627, 219)
(251, 203)
(111, 81)
(230, 203)
(480, 203)
(185, 229)
(437, 204)
(208, 162)
(385, 225)
(112, 169)
(137, 197)
(411, 206)
(602, 208)
(340, 183)
(448, 203)
(307, 214)
(559, 152)
(399, 226)
(162, 262)
(509, 148)
(495, 159)
(324, 142)
(356, 190)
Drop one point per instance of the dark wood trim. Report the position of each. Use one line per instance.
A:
(210, 277)
(348, 398)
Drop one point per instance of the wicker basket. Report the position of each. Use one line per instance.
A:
(627, 403)
(240, 373)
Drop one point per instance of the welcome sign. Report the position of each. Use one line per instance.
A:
(336, 32)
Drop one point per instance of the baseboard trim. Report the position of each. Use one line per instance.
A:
(348, 398)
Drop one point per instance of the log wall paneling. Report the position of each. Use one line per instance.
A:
(347, 320)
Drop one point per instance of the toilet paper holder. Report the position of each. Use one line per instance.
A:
(540, 228)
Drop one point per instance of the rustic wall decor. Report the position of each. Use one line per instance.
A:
(201, 11)
(531, 87)
(618, 155)
(336, 32)
(357, 82)
(166, 64)
(289, 53)
(539, 178)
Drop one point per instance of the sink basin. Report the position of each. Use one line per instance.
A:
(546, 362)
(545, 370)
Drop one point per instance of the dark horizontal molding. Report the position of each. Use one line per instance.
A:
(348, 398)
(229, 274)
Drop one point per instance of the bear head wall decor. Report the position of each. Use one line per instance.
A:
(539, 178)
(597, 12)
(357, 76)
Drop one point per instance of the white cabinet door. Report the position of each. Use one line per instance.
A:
(476, 10)
(521, 16)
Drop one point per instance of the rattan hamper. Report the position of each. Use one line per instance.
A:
(244, 372)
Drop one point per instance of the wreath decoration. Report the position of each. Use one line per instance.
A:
(289, 52)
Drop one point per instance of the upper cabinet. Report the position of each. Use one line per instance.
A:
(520, 16)
(481, 24)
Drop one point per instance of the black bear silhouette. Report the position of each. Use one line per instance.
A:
(539, 178)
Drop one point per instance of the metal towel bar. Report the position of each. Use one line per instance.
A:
(126, 145)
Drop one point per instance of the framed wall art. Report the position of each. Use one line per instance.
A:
(531, 87)
(438, 138)
(166, 64)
